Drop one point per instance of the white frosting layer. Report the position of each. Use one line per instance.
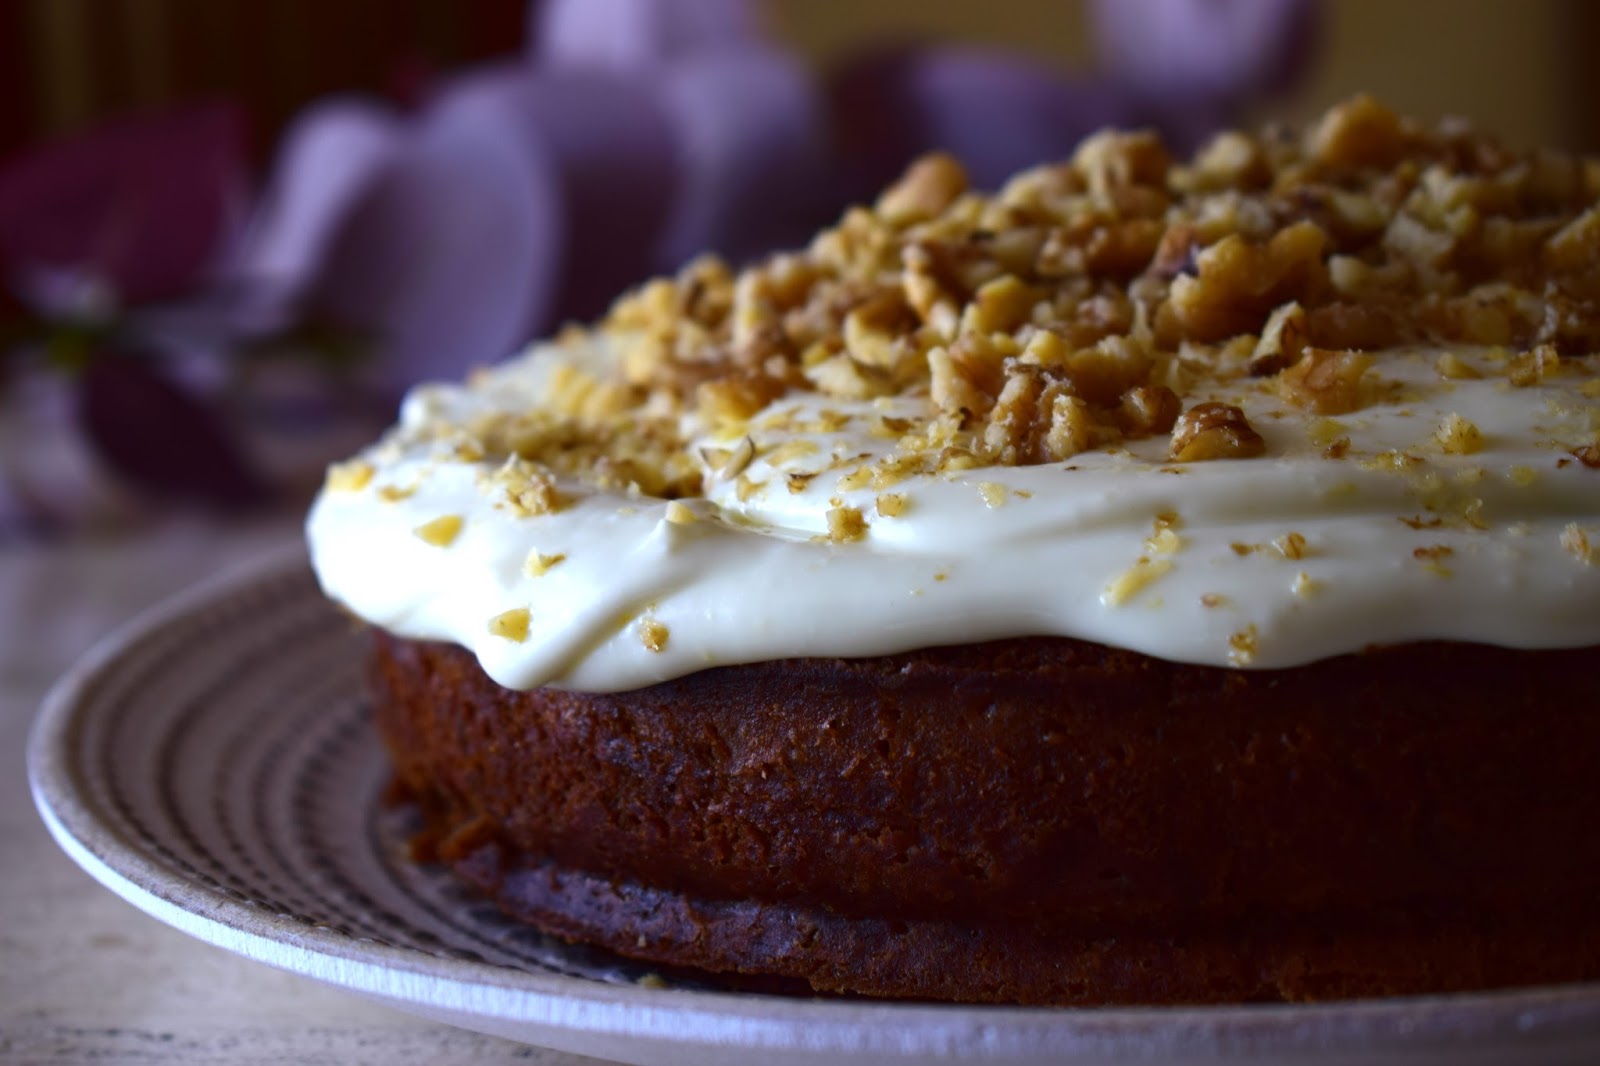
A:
(1398, 541)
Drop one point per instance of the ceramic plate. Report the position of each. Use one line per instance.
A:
(213, 765)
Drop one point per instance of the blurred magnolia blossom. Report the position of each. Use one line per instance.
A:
(629, 136)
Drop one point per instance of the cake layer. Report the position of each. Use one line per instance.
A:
(1408, 818)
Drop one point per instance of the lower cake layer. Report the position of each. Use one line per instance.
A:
(1039, 820)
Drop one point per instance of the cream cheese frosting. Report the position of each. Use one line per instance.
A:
(1449, 507)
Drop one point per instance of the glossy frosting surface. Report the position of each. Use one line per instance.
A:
(1314, 549)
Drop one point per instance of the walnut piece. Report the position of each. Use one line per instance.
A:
(1214, 431)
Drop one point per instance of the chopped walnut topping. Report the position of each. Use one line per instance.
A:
(396, 493)
(1452, 367)
(891, 504)
(1128, 584)
(352, 476)
(1324, 381)
(1214, 431)
(1533, 367)
(1291, 545)
(1575, 541)
(993, 493)
(1242, 646)
(538, 564)
(653, 634)
(441, 532)
(1087, 303)
(529, 488)
(846, 524)
(1282, 342)
(1457, 435)
(511, 625)
(1589, 455)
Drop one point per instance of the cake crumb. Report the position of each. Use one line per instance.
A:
(352, 476)
(512, 625)
(1576, 542)
(680, 513)
(891, 504)
(1305, 586)
(441, 532)
(653, 634)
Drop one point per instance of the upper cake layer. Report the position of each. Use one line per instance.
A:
(1301, 396)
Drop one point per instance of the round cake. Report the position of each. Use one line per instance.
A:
(1152, 582)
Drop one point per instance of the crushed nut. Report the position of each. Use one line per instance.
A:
(1132, 581)
(653, 634)
(352, 476)
(1325, 381)
(1576, 542)
(1214, 431)
(1242, 646)
(441, 532)
(891, 504)
(511, 625)
(538, 564)
(1291, 545)
(846, 524)
(1457, 435)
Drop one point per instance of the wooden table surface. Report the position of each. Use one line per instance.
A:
(85, 976)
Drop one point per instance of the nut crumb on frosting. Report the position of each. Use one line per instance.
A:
(441, 532)
(891, 504)
(1128, 584)
(538, 564)
(1576, 542)
(1457, 435)
(846, 524)
(352, 476)
(1242, 646)
(511, 625)
(653, 634)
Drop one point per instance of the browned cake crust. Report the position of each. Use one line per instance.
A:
(1035, 820)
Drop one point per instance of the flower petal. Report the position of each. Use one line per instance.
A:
(139, 206)
(328, 159)
(160, 438)
(619, 167)
(997, 112)
(451, 256)
(628, 34)
(1219, 51)
(750, 126)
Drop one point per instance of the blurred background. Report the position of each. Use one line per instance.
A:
(1524, 67)
(232, 231)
